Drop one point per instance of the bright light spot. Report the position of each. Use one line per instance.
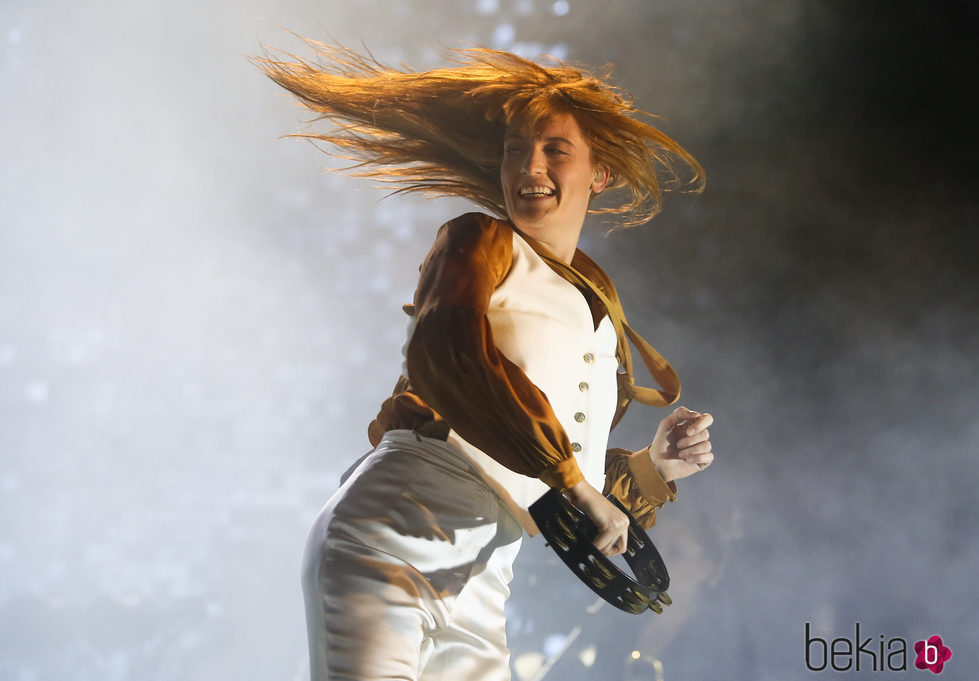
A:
(527, 50)
(588, 655)
(37, 392)
(503, 35)
(559, 51)
(14, 36)
(561, 7)
(487, 6)
(527, 665)
(635, 655)
(554, 643)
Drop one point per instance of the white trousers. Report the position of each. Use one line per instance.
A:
(406, 570)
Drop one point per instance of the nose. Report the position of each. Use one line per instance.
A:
(535, 161)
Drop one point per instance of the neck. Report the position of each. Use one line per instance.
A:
(562, 246)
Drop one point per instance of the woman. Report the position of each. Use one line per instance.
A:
(511, 380)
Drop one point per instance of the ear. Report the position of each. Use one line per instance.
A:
(600, 179)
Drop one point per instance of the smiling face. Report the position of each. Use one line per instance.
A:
(548, 177)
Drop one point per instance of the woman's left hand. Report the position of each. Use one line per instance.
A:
(682, 444)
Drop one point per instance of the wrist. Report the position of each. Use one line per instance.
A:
(657, 464)
(583, 495)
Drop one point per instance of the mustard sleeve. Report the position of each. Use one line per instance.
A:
(456, 368)
(634, 480)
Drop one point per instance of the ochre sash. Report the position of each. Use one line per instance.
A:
(659, 368)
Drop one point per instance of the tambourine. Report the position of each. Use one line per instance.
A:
(570, 533)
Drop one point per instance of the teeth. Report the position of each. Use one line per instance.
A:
(536, 190)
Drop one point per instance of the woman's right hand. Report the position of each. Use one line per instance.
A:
(612, 523)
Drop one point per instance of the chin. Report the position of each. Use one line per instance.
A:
(530, 219)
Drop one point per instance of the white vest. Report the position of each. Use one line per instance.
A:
(542, 323)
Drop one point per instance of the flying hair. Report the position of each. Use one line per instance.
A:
(440, 132)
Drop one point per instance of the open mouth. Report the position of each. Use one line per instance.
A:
(535, 192)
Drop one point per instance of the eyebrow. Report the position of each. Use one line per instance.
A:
(555, 138)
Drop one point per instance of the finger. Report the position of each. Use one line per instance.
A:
(604, 536)
(684, 415)
(618, 547)
(703, 422)
(670, 421)
(698, 449)
(703, 460)
(604, 542)
(699, 425)
(615, 544)
(679, 415)
(691, 440)
(610, 534)
(700, 459)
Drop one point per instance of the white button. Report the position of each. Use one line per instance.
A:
(589, 358)
(583, 386)
(579, 417)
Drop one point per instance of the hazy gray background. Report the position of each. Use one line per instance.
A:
(196, 326)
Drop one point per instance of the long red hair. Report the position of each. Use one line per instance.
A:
(441, 131)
